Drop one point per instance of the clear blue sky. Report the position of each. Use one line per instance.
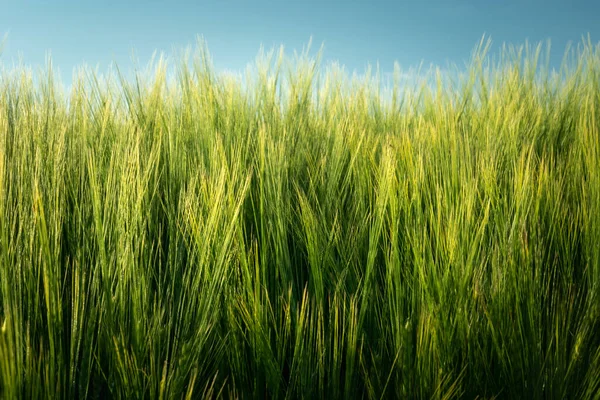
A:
(353, 32)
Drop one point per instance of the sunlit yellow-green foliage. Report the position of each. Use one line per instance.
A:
(298, 234)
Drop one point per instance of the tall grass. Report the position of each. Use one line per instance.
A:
(190, 237)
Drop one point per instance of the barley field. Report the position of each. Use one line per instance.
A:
(302, 234)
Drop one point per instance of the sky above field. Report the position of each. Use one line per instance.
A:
(352, 33)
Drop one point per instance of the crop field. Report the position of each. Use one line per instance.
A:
(302, 234)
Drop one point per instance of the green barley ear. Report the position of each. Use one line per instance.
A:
(294, 233)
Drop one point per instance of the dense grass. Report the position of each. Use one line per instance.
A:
(302, 236)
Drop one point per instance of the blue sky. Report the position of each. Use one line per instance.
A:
(353, 33)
